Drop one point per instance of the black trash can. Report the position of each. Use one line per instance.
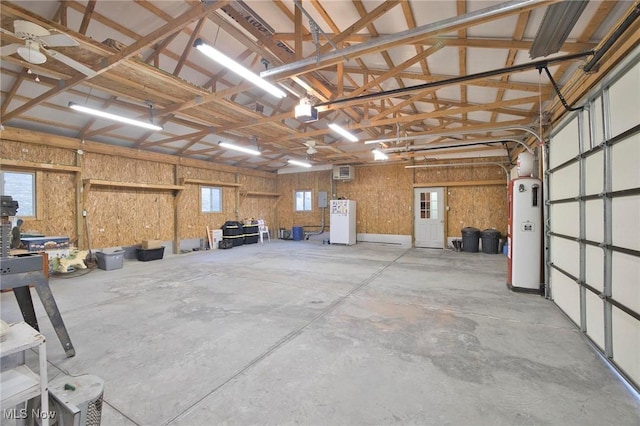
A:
(470, 239)
(490, 241)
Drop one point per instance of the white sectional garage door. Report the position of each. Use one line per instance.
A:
(593, 238)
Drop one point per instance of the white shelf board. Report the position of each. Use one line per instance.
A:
(18, 385)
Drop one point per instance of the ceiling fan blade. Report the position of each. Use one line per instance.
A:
(58, 40)
(71, 62)
(9, 49)
(9, 33)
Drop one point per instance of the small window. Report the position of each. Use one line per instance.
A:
(21, 186)
(303, 201)
(429, 205)
(211, 199)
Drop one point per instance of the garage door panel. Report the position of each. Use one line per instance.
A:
(626, 222)
(625, 167)
(565, 215)
(566, 295)
(625, 109)
(565, 254)
(564, 145)
(594, 269)
(597, 121)
(594, 217)
(595, 319)
(564, 183)
(605, 252)
(594, 174)
(626, 343)
(626, 275)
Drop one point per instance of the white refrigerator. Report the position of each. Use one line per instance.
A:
(342, 222)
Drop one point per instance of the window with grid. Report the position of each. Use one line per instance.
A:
(211, 199)
(303, 201)
(429, 205)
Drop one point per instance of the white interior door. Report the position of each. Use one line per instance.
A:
(429, 217)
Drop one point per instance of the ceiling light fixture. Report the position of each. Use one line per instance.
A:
(298, 163)
(559, 19)
(235, 67)
(239, 148)
(109, 116)
(379, 155)
(343, 132)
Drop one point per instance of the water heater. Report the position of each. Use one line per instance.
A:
(525, 235)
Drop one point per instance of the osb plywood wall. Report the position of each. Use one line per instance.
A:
(56, 198)
(288, 184)
(257, 200)
(477, 205)
(192, 222)
(125, 216)
(383, 196)
(480, 207)
(121, 216)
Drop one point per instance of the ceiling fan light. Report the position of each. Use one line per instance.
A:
(31, 54)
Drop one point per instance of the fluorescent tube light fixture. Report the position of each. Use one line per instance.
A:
(235, 67)
(558, 21)
(343, 132)
(299, 163)
(379, 155)
(239, 148)
(114, 117)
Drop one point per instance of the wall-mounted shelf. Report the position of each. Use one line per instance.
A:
(245, 194)
(259, 194)
(88, 183)
(184, 181)
(39, 166)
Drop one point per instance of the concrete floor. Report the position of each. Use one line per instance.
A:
(297, 332)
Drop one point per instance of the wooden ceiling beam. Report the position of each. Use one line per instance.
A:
(12, 92)
(457, 111)
(86, 18)
(360, 24)
(177, 24)
(188, 47)
(323, 63)
(518, 34)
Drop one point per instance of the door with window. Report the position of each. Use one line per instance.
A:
(429, 217)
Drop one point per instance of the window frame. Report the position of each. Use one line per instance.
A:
(295, 200)
(36, 182)
(221, 199)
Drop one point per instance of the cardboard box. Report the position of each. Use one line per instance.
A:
(151, 244)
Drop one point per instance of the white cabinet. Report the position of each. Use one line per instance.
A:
(20, 383)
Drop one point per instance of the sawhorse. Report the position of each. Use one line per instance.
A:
(17, 273)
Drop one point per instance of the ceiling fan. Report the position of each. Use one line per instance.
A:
(312, 146)
(36, 41)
